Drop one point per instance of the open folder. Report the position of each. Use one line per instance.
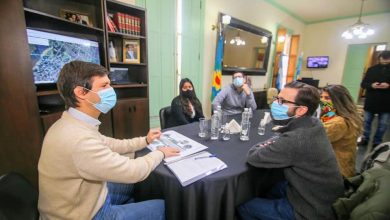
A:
(193, 163)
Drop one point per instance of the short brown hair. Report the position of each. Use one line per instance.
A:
(307, 95)
(77, 73)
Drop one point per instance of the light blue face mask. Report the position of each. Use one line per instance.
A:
(238, 82)
(279, 113)
(107, 100)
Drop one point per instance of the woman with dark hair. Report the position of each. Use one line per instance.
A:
(343, 125)
(186, 107)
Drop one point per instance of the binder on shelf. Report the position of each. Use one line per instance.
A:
(193, 163)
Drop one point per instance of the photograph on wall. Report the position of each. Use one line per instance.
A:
(131, 51)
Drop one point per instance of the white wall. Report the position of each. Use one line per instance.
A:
(325, 39)
(256, 12)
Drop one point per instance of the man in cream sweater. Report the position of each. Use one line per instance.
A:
(83, 174)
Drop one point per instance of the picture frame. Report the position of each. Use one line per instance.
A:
(77, 17)
(131, 51)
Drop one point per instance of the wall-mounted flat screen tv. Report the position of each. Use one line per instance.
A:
(317, 62)
(50, 52)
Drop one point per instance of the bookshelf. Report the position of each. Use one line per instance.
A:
(88, 19)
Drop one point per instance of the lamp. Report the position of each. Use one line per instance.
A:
(225, 20)
(237, 40)
(359, 29)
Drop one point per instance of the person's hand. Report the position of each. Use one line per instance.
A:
(375, 85)
(246, 89)
(383, 85)
(169, 151)
(153, 134)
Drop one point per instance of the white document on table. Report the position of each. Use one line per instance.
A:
(186, 145)
(195, 167)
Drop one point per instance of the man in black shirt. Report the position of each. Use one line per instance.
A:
(377, 86)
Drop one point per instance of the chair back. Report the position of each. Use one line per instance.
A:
(164, 114)
(271, 92)
(18, 198)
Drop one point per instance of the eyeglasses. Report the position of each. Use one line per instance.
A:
(281, 101)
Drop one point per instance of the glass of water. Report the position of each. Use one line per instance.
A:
(202, 127)
(226, 134)
(245, 129)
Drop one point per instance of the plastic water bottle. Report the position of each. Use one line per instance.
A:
(245, 125)
(214, 126)
(219, 113)
(245, 116)
(250, 112)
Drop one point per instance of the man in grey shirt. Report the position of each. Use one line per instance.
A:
(235, 97)
(313, 180)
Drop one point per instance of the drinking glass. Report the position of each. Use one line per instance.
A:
(202, 127)
(226, 134)
(261, 128)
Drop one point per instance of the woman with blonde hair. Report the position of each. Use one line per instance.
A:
(343, 125)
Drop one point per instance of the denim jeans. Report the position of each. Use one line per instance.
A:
(119, 205)
(383, 122)
(275, 207)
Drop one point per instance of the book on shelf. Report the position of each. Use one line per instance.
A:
(110, 23)
(193, 163)
(126, 23)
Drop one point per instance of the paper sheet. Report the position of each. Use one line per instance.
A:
(186, 145)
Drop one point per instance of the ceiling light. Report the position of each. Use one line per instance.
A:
(226, 19)
(264, 40)
(237, 40)
(359, 29)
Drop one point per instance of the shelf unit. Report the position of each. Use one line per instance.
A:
(47, 16)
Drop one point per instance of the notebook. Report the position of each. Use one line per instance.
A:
(195, 167)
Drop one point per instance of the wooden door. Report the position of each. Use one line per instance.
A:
(130, 118)
(279, 50)
(292, 58)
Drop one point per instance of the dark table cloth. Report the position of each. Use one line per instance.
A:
(215, 196)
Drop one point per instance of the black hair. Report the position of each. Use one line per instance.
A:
(385, 55)
(307, 96)
(194, 100)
